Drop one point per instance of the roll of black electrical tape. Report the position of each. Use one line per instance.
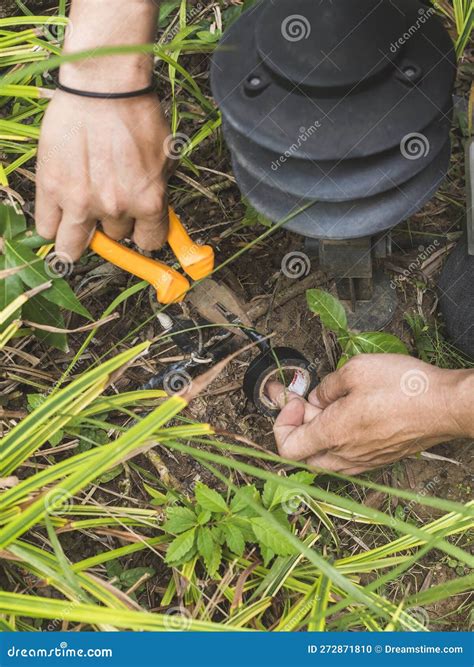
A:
(281, 364)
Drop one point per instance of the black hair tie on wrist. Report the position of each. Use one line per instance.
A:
(108, 96)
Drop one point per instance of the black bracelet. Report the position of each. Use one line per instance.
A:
(108, 96)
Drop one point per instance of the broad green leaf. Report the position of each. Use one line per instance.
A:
(158, 497)
(302, 477)
(270, 488)
(244, 524)
(57, 438)
(180, 546)
(377, 343)
(35, 400)
(330, 310)
(110, 474)
(206, 545)
(11, 222)
(179, 519)
(11, 288)
(214, 562)
(276, 494)
(204, 516)
(269, 538)
(240, 501)
(41, 311)
(267, 554)
(130, 577)
(234, 538)
(209, 499)
(35, 274)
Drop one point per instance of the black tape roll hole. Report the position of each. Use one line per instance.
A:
(291, 370)
(295, 379)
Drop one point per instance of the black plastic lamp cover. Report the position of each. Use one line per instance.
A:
(337, 112)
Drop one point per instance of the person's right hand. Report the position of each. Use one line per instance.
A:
(102, 160)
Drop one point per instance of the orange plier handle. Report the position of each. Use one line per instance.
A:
(171, 286)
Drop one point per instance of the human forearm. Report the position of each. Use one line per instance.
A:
(101, 23)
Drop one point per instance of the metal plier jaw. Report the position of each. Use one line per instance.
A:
(171, 286)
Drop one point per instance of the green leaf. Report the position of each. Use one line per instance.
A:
(212, 566)
(330, 310)
(378, 342)
(158, 498)
(275, 494)
(267, 537)
(245, 526)
(56, 438)
(204, 517)
(234, 539)
(110, 474)
(240, 502)
(267, 554)
(205, 544)
(130, 577)
(35, 400)
(166, 7)
(181, 546)
(209, 499)
(302, 477)
(208, 37)
(179, 519)
(113, 568)
(270, 488)
(11, 287)
(41, 311)
(35, 274)
(11, 222)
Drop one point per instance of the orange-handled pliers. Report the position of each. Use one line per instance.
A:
(171, 286)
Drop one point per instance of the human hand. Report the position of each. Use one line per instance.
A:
(102, 159)
(375, 410)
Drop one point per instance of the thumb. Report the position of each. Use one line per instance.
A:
(333, 387)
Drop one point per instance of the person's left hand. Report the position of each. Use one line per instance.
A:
(377, 409)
